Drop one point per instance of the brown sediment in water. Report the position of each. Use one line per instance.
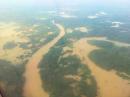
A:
(33, 83)
(109, 84)
(10, 33)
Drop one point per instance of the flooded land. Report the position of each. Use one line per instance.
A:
(106, 80)
(32, 74)
(54, 49)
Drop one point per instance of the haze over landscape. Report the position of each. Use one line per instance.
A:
(64, 48)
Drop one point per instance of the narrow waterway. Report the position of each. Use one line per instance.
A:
(33, 83)
(109, 84)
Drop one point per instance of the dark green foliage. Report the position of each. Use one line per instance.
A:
(11, 79)
(102, 44)
(113, 57)
(54, 68)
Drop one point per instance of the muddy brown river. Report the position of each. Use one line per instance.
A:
(109, 84)
(33, 83)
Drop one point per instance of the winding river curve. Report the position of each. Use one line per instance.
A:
(109, 84)
(33, 83)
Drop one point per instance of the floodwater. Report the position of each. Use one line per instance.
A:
(33, 83)
(9, 33)
(109, 84)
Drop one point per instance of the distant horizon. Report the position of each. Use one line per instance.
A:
(64, 3)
